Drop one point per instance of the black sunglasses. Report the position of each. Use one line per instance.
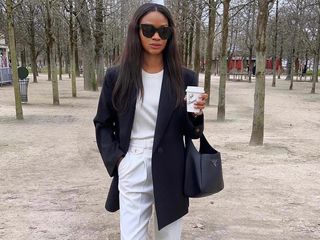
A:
(149, 30)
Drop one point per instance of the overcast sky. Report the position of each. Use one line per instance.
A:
(158, 1)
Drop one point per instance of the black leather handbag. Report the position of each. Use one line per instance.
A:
(203, 173)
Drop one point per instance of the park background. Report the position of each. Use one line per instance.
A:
(257, 59)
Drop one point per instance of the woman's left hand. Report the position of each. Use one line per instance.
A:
(201, 103)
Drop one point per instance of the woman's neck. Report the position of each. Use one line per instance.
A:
(152, 63)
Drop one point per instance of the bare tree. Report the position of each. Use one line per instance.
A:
(274, 58)
(259, 95)
(250, 36)
(199, 11)
(223, 63)
(50, 4)
(13, 55)
(295, 22)
(99, 42)
(317, 51)
(70, 9)
(88, 56)
(210, 40)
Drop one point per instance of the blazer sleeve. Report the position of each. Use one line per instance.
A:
(193, 125)
(105, 123)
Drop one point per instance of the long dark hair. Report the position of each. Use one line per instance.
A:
(129, 77)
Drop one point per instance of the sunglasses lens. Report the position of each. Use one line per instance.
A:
(164, 32)
(148, 30)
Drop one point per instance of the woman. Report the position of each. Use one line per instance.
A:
(140, 124)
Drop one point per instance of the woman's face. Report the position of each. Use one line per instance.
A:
(153, 45)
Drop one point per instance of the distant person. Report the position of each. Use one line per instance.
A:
(140, 124)
(304, 70)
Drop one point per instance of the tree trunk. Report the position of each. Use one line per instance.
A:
(52, 50)
(210, 40)
(280, 59)
(316, 60)
(183, 10)
(250, 64)
(186, 47)
(76, 53)
(196, 63)
(292, 68)
(13, 56)
(72, 51)
(33, 49)
(191, 40)
(305, 67)
(66, 56)
(54, 77)
(48, 61)
(252, 41)
(315, 72)
(274, 67)
(59, 58)
(99, 42)
(23, 57)
(259, 95)
(88, 58)
(223, 64)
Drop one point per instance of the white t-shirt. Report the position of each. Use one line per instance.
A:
(145, 117)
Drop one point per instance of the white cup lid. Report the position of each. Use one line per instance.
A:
(195, 89)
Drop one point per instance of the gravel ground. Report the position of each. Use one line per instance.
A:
(53, 182)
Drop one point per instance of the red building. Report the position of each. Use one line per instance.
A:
(240, 64)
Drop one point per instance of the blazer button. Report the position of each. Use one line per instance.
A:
(160, 150)
(197, 130)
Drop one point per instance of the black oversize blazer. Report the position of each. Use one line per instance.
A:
(113, 131)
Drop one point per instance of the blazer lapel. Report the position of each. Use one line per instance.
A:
(166, 106)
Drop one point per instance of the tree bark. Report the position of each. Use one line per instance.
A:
(59, 57)
(48, 61)
(54, 76)
(66, 57)
(274, 67)
(72, 50)
(259, 95)
(251, 45)
(292, 65)
(293, 68)
(52, 50)
(315, 72)
(223, 63)
(76, 53)
(210, 40)
(316, 60)
(99, 42)
(23, 57)
(280, 59)
(33, 47)
(13, 56)
(191, 38)
(88, 57)
(196, 63)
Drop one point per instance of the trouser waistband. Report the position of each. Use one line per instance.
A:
(146, 143)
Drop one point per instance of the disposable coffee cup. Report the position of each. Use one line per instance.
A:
(193, 94)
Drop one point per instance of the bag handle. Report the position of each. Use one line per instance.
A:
(205, 146)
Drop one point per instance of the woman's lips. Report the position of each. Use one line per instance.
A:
(155, 46)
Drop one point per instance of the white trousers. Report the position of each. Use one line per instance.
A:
(136, 195)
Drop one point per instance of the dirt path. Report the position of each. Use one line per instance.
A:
(53, 182)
